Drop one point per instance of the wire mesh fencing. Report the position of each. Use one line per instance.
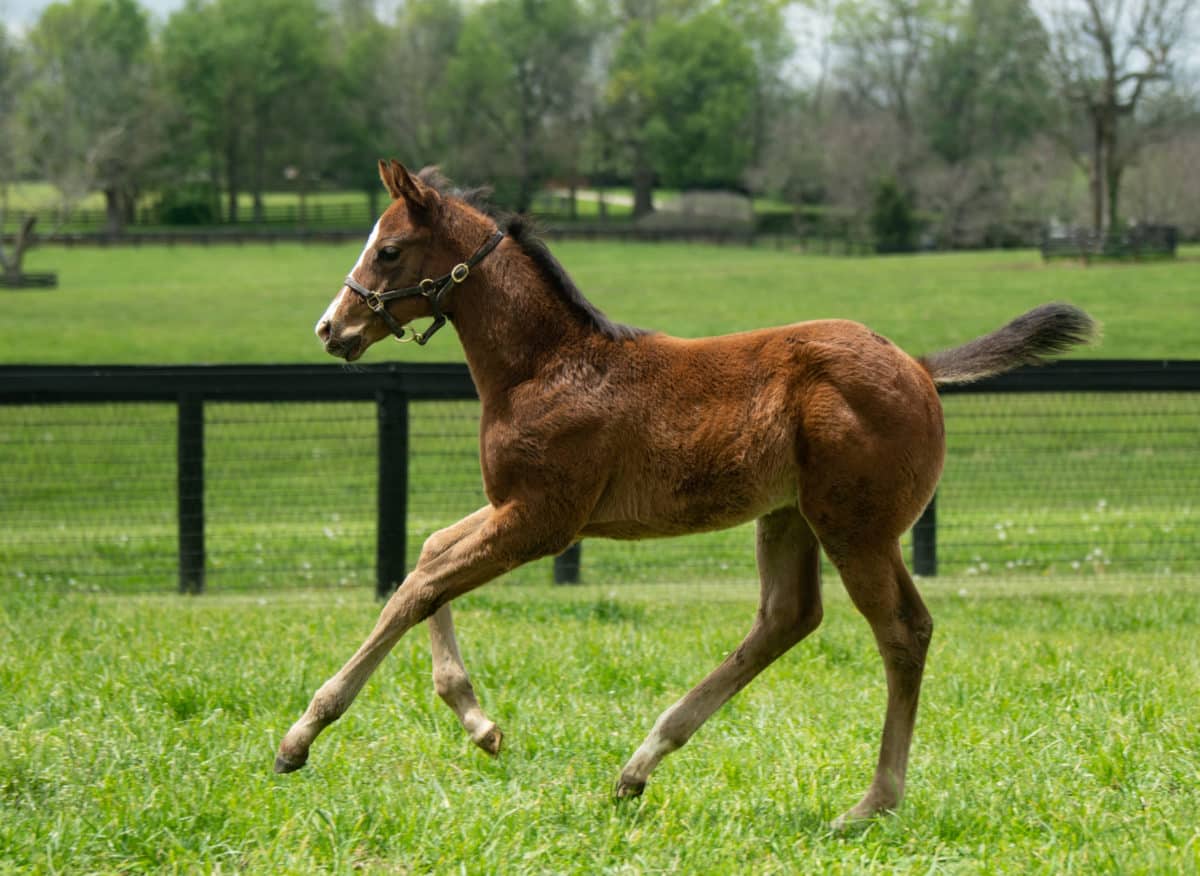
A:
(1065, 484)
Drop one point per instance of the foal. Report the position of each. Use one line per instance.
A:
(825, 433)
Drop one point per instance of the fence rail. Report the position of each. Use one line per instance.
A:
(1110, 426)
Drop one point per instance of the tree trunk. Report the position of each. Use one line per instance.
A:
(260, 172)
(129, 199)
(231, 179)
(643, 184)
(11, 263)
(214, 181)
(1113, 169)
(1114, 189)
(1096, 182)
(373, 201)
(113, 215)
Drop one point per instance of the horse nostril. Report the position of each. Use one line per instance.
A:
(324, 329)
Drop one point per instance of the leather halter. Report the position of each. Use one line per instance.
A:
(433, 291)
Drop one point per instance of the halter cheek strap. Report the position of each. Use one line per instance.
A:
(433, 291)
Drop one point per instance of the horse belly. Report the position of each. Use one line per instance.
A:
(666, 502)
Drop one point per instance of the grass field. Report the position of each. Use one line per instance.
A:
(1058, 731)
(1058, 734)
(259, 303)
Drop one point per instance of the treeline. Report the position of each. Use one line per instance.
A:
(960, 122)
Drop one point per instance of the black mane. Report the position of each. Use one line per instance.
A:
(521, 230)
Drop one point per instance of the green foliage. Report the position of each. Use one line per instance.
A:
(700, 77)
(255, 79)
(391, 89)
(984, 89)
(684, 90)
(893, 220)
(90, 109)
(188, 204)
(516, 90)
(10, 62)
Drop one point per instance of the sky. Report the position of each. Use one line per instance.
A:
(20, 15)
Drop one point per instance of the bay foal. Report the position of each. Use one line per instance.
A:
(825, 433)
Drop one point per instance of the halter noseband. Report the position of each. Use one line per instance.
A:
(432, 291)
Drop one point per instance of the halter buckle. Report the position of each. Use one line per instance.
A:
(421, 337)
(373, 301)
(459, 272)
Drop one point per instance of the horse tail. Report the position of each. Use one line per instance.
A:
(1028, 340)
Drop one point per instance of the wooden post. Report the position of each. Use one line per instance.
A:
(190, 480)
(392, 521)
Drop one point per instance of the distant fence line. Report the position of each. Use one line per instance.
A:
(123, 477)
(1137, 242)
(616, 231)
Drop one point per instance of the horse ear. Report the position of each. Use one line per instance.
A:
(387, 177)
(401, 184)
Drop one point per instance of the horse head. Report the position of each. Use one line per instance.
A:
(399, 253)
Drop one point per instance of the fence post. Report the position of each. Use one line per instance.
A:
(190, 480)
(392, 524)
(566, 565)
(924, 541)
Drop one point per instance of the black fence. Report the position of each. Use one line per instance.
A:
(245, 477)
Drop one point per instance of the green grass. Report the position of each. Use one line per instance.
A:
(258, 303)
(1058, 733)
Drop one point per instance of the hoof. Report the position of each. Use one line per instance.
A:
(627, 788)
(285, 764)
(490, 739)
(860, 817)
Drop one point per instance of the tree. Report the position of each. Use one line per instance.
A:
(418, 118)
(682, 97)
(1109, 57)
(704, 83)
(254, 78)
(11, 156)
(982, 95)
(982, 91)
(515, 88)
(884, 46)
(91, 111)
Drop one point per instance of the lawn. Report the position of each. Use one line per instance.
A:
(1058, 733)
(258, 303)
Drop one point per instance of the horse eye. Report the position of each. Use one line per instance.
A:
(389, 254)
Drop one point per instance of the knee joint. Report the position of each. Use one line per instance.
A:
(809, 618)
(450, 683)
(327, 707)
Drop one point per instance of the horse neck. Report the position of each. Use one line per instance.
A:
(509, 319)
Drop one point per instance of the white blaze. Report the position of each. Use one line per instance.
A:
(337, 299)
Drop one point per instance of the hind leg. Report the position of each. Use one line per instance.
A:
(450, 678)
(453, 685)
(789, 609)
(882, 589)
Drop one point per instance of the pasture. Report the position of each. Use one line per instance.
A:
(1058, 730)
(1058, 733)
(258, 303)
